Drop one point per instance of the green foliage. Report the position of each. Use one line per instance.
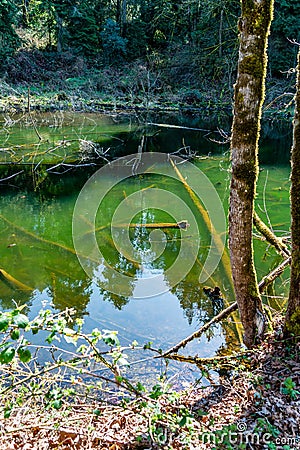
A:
(285, 27)
(197, 41)
(77, 365)
(264, 426)
(83, 31)
(136, 36)
(113, 44)
(12, 325)
(9, 39)
(15, 350)
(289, 388)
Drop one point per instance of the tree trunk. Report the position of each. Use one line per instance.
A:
(121, 15)
(59, 43)
(292, 320)
(254, 28)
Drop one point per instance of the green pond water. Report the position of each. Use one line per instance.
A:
(145, 281)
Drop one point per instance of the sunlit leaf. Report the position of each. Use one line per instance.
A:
(7, 355)
(24, 354)
(21, 320)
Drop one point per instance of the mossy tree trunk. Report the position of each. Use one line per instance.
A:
(292, 320)
(254, 26)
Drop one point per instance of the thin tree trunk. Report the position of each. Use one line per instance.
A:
(292, 320)
(59, 44)
(254, 28)
(220, 33)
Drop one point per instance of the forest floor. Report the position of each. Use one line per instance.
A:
(255, 406)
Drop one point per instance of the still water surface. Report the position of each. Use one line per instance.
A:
(36, 210)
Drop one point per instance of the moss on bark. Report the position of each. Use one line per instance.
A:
(292, 321)
(254, 26)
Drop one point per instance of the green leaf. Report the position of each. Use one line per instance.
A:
(7, 355)
(56, 404)
(21, 320)
(70, 336)
(24, 354)
(15, 334)
(4, 322)
(182, 422)
(122, 361)
(7, 411)
(140, 387)
(110, 337)
(148, 345)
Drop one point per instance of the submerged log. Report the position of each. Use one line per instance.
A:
(12, 282)
(183, 225)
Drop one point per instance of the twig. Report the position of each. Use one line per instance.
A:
(268, 279)
(180, 127)
(222, 315)
(209, 360)
(270, 236)
(31, 118)
(226, 312)
(11, 176)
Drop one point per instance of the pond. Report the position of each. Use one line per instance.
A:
(144, 276)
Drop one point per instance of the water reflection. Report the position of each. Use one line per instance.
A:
(36, 242)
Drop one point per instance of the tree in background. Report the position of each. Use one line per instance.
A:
(254, 26)
(113, 44)
(285, 26)
(292, 320)
(9, 39)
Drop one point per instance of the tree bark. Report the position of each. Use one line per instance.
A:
(292, 320)
(254, 26)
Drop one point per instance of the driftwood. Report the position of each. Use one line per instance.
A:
(268, 279)
(217, 239)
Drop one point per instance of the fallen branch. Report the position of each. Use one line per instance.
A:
(270, 236)
(218, 241)
(12, 282)
(183, 225)
(54, 244)
(11, 176)
(216, 237)
(222, 315)
(179, 127)
(223, 361)
(268, 279)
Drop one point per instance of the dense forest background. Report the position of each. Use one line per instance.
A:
(137, 48)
